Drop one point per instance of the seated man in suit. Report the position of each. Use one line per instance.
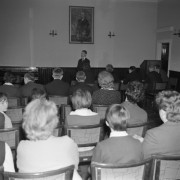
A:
(29, 85)
(57, 86)
(80, 77)
(120, 147)
(8, 87)
(165, 138)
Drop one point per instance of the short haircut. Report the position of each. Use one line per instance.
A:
(38, 94)
(57, 72)
(84, 51)
(80, 75)
(3, 97)
(81, 99)
(29, 76)
(8, 77)
(132, 68)
(169, 101)
(105, 79)
(109, 68)
(135, 91)
(40, 119)
(117, 116)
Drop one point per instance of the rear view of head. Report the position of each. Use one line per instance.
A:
(8, 77)
(117, 116)
(109, 68)
(57, 73)
(38, 94)
(105, 80)
(80, 76)
(40, 119)
(29, 77)
(169, 104)
(135, 91)
(81, 99)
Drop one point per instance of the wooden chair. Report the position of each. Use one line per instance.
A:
(60, 174)
(135, 171)
(166, 167)
(64, 111)
(59, 100)
(14, 102)
(86, 137)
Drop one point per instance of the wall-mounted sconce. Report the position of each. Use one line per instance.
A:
(111, 34)
(53, 32)
(177, 33)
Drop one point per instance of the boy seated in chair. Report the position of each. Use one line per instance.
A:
(119, 147)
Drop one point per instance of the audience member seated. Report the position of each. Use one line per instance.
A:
(8, 87)
(5, 121)
(90, 77)
(133, 75)
(135, 94)
(44, 152)
(38, 94)
(80, 77)
(152, 78)
(110, 69)
(165, 138)
(81, 102)
(6, 158)
(163, 74)
(106, 95)
(120, 147)
(29, 85)
(57, 86)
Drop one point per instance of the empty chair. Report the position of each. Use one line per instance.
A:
(166, 167)
(65, 173)
(86, 138)
(59, 100)
(134, 171)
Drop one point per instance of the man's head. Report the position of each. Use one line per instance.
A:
(80, 76)
(57, 73)
(116, 117)
(83, 54)
(131, 69)
(29, 77)
(109, 68)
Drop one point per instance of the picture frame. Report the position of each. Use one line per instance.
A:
(81, 25)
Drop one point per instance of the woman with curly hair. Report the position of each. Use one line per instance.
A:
(107, 95)
(165, 138)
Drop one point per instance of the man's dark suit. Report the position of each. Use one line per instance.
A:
(133, 76)
(80, 85)
(26, 89)
(10, 90)
(57, 87)
(164, 139)
(83, 63)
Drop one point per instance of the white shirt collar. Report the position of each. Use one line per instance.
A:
(83, 112)
(118, 133)
(8, 83)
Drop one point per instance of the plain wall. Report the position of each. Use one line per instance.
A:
(25, 27)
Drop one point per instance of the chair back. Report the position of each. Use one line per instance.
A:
(14, 102)
(59, 100)
(166, 167)
(173, 83)
(133, 171)
(101, 110)
(58, 131)
(60, 174)
(10, 136)
(65, 110)
(160, 86)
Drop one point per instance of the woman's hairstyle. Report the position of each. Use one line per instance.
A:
(81, 99)
(135, 91)
(117, 116)
(3, 97)
(40, 119)
(169, 101)
(106, 80)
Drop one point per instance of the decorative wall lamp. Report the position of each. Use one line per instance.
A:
(177, 33)
(53, 32)
(111, 34)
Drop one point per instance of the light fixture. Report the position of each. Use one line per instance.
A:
(53, 32)
(111, 34)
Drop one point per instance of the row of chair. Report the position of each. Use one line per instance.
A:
(159, 167)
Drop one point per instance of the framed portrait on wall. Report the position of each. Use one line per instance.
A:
(81, 25)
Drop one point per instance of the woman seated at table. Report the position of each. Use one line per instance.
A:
(44, 152)
(81, 102)
(135, 94)
(107, 95)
